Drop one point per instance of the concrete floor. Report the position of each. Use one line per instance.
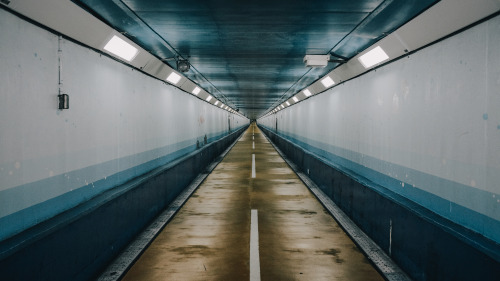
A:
(209, 238)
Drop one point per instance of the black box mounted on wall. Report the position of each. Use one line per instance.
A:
(63, 101)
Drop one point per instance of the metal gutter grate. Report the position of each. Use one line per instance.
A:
(117, 269)
(384, 264)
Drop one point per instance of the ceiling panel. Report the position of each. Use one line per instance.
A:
(249, 53)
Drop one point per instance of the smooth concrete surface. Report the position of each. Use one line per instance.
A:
(423, 244)
(209, 239)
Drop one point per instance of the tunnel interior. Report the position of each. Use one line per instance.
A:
(111, 110)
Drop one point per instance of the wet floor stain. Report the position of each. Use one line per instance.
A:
(209, 238)
(334, 253)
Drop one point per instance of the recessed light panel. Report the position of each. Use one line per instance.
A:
(196, 91)
(121, 48)
(373, 57)
(216, 103)
(287, 103)
(174, 78)
(307, 92)
(295, 99)
(327, 82)
(209, 98)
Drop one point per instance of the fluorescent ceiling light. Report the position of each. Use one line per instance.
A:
(287, 103)
(327, 82)
(174, 78)
(282, 106)
(121, 48)
(216, 103)
(373, 57)
(196, 91)
(307, 92)
(295, 99)
(222, 105)
(209, 98)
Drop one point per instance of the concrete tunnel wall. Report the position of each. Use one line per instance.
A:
(410, 152)
(120, 124)
(426, 127)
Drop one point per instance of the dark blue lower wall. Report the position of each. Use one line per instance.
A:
(78, 244)
(425, 245)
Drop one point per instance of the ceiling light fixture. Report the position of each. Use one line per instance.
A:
(196, 91)
(209, 98)
(216, 103)
(174, 78)
(327, 82)
(295, 99)
(307, 92)
(316, 60)
(121, 48)
(373, 57)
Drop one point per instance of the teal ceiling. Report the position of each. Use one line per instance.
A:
(249, 53)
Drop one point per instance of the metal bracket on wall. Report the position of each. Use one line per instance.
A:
(339, 59)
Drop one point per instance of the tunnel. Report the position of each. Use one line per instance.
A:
(249, 140)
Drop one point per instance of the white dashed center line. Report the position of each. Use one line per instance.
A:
(253, 165)
(254, 247)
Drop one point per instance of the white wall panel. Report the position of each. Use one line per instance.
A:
(120, 124)
(429, 122)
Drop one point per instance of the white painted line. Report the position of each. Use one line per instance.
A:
(254, 247)
(253, 145)
(253, 165)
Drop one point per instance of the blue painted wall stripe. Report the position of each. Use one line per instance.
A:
(34, 214)
(486, 225)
